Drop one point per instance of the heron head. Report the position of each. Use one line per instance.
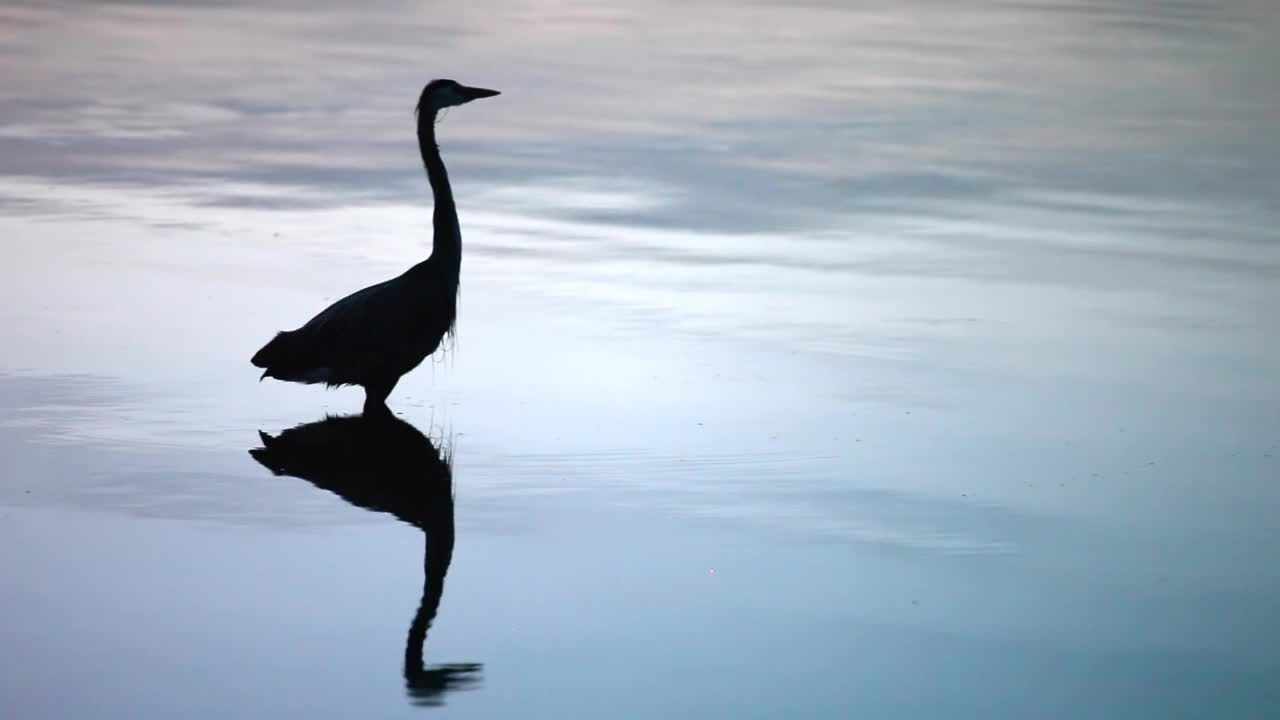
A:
(440, 94)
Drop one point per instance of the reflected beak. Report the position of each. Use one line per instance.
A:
(475, 93)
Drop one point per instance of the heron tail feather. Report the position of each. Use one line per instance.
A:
(273, 352)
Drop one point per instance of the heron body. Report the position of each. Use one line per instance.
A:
(374, 336)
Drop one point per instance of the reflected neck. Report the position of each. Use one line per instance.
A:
(436, 558)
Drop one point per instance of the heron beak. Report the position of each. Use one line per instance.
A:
(475, 93)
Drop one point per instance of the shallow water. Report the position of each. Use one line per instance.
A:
(814, 360)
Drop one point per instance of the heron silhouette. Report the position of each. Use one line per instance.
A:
(384, 464)
(374, 336)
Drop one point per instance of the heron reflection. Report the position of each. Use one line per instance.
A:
(384, 464)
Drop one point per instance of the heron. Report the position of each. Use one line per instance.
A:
(374, 336)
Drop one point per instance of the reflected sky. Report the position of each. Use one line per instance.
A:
(748, 116)
(1095, 170)
(954, 318)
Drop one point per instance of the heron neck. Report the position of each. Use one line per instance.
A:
(447, 243)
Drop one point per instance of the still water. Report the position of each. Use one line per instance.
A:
(823, 359)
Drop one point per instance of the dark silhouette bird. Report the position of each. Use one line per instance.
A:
(381, 463)
(374, 336)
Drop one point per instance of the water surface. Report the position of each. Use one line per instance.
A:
(814, 360)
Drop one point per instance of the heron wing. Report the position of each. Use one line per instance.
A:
(343, 343)
(354, 332)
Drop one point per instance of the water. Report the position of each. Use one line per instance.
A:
(814, 360)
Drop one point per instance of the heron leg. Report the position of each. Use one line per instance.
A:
(375, 395)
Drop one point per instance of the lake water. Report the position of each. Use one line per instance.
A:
(815, 360)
